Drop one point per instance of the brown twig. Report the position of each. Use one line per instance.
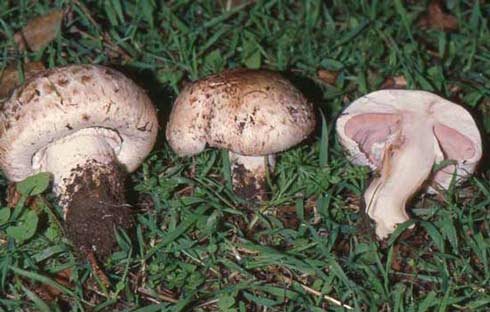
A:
(210, 302)
(162, 297)
(316, 293)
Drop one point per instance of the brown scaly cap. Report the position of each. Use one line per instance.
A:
(249, 112)
(87, 126)
(60, 101)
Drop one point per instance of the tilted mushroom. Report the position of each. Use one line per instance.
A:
(252, 113)
(403, 134)
(87, 126)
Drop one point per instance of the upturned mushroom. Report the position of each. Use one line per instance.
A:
(403, 134)
(87, 126)
(252, 113)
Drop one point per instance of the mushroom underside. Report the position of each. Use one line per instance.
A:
(404, 148)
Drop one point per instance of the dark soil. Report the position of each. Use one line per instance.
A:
(246, 185)
(97, 207)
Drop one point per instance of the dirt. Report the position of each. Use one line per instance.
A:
(245, 184)
(97, 207)
(287, 214)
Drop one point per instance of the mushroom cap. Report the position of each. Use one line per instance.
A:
(250, 112)
(368, 125)
(61, 101)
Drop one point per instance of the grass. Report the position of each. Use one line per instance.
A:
(197, 246)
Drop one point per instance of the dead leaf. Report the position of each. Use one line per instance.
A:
(396, 260)
(49, 293)
(328, 76)
(289, 218)
(395, 82)
(13, 198)
(436, 18)
(40, 31)
(10, 79)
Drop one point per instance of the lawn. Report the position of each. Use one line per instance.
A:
(198, 247)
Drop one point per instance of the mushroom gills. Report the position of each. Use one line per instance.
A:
(406, 164)
(402, 134)
(453, 146)
(249, 175)
(373, 131)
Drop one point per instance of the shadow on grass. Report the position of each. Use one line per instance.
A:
(484, 165)
(162, 98)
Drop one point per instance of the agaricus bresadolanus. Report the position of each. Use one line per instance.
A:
(403, 134)
(252, 113)
(87, 126)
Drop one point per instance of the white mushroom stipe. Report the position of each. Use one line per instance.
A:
(402, 134)
(249, 174)
(407, 163)
(65, 157)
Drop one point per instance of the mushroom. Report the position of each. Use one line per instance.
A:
(252, 113)
(403, 134)
(86, 125)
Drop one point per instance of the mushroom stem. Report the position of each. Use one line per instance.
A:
(89, 184)
(249, 175)
(67, 157)
(407, 163)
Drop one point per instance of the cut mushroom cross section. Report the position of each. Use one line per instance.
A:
(86, 125)
(402, 134)
(251, 113)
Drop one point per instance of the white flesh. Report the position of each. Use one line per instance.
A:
(407, 163)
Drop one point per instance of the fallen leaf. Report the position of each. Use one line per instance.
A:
(49, 293)
(395, 82)
(40, 31)
(10, 79)
(289, 218)
(396, 260)
(328, 76)
(13, 198)
(436, 18)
